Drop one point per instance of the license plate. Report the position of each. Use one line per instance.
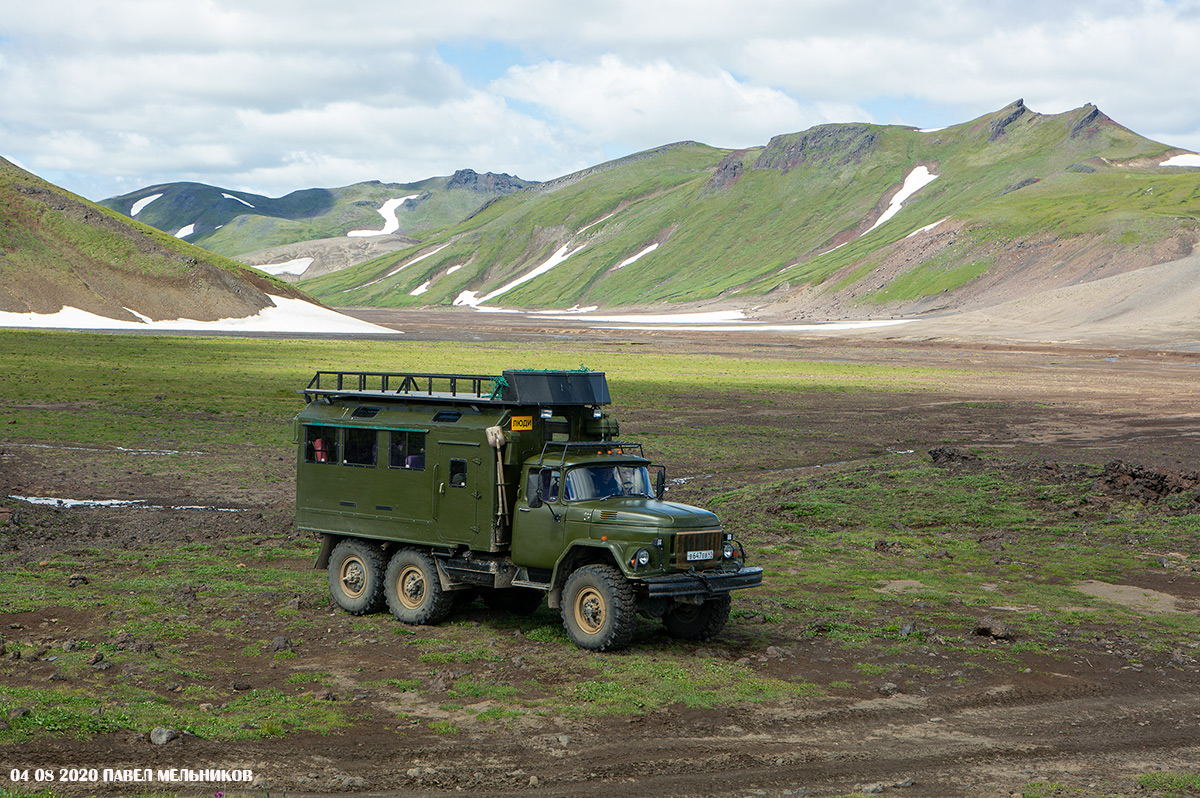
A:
(707, 554)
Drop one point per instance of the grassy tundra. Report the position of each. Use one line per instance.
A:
(885, 570)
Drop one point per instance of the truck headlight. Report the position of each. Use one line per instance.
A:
(727, 552)
(641, 559)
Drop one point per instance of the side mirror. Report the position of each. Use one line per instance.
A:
(535, 501)
(660, 483)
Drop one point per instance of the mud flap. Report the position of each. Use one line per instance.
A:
(327, 544)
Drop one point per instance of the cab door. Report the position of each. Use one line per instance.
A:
(539, 532)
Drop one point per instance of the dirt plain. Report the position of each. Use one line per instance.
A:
(1091, 719)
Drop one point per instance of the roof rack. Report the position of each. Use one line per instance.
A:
(512, 388)
(394, 384)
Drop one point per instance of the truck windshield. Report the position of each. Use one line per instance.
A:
(603, 481)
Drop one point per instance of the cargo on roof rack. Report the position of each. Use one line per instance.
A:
(511, 388)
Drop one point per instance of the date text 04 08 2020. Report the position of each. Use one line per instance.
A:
(76, 775)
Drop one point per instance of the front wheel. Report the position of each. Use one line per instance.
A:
(598, 608)
(414, 592)
(356, 576)
(698, 621)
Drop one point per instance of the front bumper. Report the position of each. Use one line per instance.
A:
(703, 583)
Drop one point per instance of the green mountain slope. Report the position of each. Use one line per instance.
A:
(1017, 202)
(236, 222)
(58, 250)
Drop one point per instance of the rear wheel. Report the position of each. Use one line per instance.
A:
(598, 608)
(698, 621)
(356, 576)
(412, 588)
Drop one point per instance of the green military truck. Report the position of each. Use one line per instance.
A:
(431, 489)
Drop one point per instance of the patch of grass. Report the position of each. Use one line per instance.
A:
(80, 713)
(871, 669)
(855, 547)
(474, 688)
(1170, 784)
(477, 653)
(443, 727)
(931, 278)
(640, 682)
(156, 392)
(551, 633)
(403, 685)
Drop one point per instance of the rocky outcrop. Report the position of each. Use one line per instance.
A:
(1020, 184)
(728, 172)
(1179, 486)
(1088, 123)
(1007, 116)
(824, 145)
(487, 183)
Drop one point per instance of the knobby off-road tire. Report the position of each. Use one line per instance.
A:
(598, 608)
(413, 591)
(514, 600)
(356, 576)
(698, 621)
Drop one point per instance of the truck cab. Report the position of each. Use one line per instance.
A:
(427, 488)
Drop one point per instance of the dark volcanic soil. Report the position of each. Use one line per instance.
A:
(1093, 719)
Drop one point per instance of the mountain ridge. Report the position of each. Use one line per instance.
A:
(837, 221)
(807, 223)
(235, 223)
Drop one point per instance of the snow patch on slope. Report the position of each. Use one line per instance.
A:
(916, 180)
(141, 204)
(390, 223)
(1187, 159)
(638, 256)
(286, 315)
(298, 266)
(399, 268)
(471, 298)
(926, 228)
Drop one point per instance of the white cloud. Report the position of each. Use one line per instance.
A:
(652, 103)
(274, 96)
(1123, 57)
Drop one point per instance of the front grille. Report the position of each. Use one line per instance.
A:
(697, 549)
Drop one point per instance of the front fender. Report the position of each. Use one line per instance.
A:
(582, 552)
(585, 552)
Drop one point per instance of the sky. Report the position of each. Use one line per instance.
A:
(104, 98)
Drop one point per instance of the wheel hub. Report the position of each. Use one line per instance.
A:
(354, 577)
(589, 610)
(412, 587)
